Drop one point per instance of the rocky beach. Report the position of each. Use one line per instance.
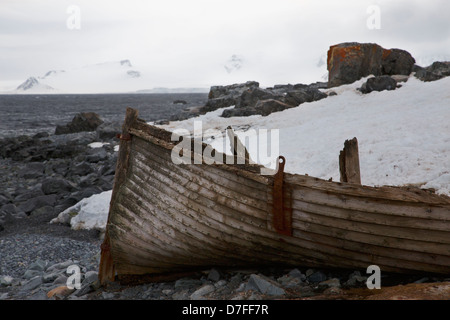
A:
(43, 174)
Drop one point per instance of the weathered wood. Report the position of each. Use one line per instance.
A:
(106, 267)
(349, 162)
(237, 148)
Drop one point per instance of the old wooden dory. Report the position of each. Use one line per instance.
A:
(166, 218)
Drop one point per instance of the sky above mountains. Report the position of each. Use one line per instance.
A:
(199, 43)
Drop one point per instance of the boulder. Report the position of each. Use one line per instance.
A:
(436, 71)
(397, 61)
(266, 107)
(249, 98)
(379, 83)
(226, 96)
(351, 61)
(85, 121)
(348, 62)
(56, 185)
(299, 96)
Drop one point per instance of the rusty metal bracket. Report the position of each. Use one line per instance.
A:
(282, 211)
(126, 137)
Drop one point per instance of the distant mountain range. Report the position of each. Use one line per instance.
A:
(107, 77)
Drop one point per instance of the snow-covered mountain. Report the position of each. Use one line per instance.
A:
(108, 77)
(32, 85)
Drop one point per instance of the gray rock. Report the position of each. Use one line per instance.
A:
(80, 169)
(61, 279)
(204, 290)
(36, 203)
(264, 285)
(29, 274)
(380, 83)
(397, 61)
(435, 71)
(56, 185)
(317, 277)
(51, 277)
(214, 275)
(85, 121)
(38, 265)
(181, 295)
(334, 282)
(31, 284)
(6, 281)
(187, 283)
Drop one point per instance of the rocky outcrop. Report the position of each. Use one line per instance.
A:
(436, 71)
(249, 99)
(348, 62)
(85, 121)
(379, 83)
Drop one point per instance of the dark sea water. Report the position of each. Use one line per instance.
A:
(30, 114)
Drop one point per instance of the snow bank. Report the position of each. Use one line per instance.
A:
(90, 213)
(403, 135)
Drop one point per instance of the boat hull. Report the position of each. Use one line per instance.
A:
(166, 217)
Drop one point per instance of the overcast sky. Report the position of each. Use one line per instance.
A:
(192, 43)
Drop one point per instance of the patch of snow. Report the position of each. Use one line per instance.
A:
(90, 213)
(95, 145)
(403, 135)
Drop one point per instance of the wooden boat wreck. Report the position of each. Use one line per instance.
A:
(168, 218)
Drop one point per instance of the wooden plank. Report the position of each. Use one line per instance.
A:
(224, 203)
(156, 153)
(374, 218)
(389, 259)
(206, 177)
(381, 206)
(349, 162)
(401, 194)
(249, 171)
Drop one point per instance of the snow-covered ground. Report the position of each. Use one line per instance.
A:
(403, 136)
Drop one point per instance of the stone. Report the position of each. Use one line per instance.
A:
(56, 185)
(38, 265)
(187, 283)
(351, 61)
(60, 292)
(108, 130)
(214, 275)
(348, 62)
(6, 281)
(96, 155)
(266, 107)
(379, 83)
(204, 290)
(9, 209)
(397, 61)
(37, 202)
(29, 274)
(264, 285)
(334, 282)
(31, 284)
(50, 277)
(249, 98)
(299, 96)
(436, 71)
(85, 121)
(80, 169)
(317, 276)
